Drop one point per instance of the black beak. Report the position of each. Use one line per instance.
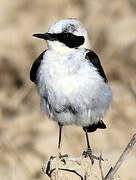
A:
(46, 36)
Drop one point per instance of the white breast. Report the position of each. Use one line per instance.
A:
(67, 74)
(70, 79)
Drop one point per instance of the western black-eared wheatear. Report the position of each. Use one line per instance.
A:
(70, 79)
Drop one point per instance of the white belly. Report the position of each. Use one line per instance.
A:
(76, 84)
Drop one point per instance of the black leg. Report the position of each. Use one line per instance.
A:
(60, 132)
(87, 140)
(88, 153)
(59, 144)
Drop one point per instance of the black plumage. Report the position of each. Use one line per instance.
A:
(34, 68)
(94, 59)
(70, 39)
(93, 127)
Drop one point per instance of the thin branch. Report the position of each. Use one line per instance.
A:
(113, 170)
(100, 166)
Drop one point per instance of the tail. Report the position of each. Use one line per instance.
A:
(93, 127)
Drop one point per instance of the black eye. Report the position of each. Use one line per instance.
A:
(67, 36)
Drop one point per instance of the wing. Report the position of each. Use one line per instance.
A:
(93, 127)
(34, 68)
(94, 59)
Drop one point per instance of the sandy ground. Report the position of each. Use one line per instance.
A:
(27, 137)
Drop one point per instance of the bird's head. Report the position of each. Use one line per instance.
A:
(65, 35)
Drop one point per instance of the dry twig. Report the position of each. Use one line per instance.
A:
(113, 170)
(100, 166)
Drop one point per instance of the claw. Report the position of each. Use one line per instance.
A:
(63, 156)
(89, 154)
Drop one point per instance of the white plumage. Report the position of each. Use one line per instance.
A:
(70, 80)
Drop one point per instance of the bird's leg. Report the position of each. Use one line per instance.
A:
(60, 132)
(88, 153)
(59, 144)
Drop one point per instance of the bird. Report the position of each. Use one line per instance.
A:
(70, 80)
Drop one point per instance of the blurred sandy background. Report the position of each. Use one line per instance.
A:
(27, 137)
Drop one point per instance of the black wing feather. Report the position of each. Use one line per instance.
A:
(94, 59)
(34, 68)
(93, 127)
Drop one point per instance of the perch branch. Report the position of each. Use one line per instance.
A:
(113, 170)
(100, 166)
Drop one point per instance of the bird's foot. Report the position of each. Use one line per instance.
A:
(63, 156)
(89, 154)
(60, 156)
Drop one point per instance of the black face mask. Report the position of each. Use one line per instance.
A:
(68, 39)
